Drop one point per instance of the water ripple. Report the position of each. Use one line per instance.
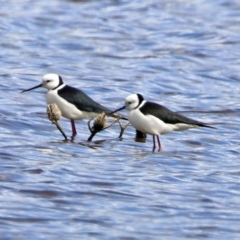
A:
(184, 55)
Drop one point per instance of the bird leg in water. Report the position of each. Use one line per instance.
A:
(159, 144)
(154, 143)
(74, 132)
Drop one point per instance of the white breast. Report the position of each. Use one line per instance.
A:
(146, 123)
(68, 110)
(152, 125)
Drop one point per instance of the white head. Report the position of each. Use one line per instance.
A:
(132, 102)
(49, 81)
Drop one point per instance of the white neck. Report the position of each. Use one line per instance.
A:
(58, 88)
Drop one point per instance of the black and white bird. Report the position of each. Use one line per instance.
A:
(155, 119)
(73, 103)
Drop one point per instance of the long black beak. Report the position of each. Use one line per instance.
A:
(38, 86)
(121, 108)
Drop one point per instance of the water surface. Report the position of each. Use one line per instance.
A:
(184, 55)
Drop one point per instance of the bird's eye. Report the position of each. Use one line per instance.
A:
(129, 103)
(48, 81)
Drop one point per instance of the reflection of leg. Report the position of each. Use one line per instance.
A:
(159, 144)
(140, 137)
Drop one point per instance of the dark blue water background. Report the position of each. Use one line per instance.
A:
(182, 54)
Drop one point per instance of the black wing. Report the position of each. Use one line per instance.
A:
(167, 115)
(81, 100)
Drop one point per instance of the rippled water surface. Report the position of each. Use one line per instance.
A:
(182, 54)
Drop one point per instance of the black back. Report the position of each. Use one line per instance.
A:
(81, 100)
(168, 116)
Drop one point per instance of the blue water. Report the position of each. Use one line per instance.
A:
(182, 54)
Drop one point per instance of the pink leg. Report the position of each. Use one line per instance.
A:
(74, 132)
(154, 145)
(159, 144)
